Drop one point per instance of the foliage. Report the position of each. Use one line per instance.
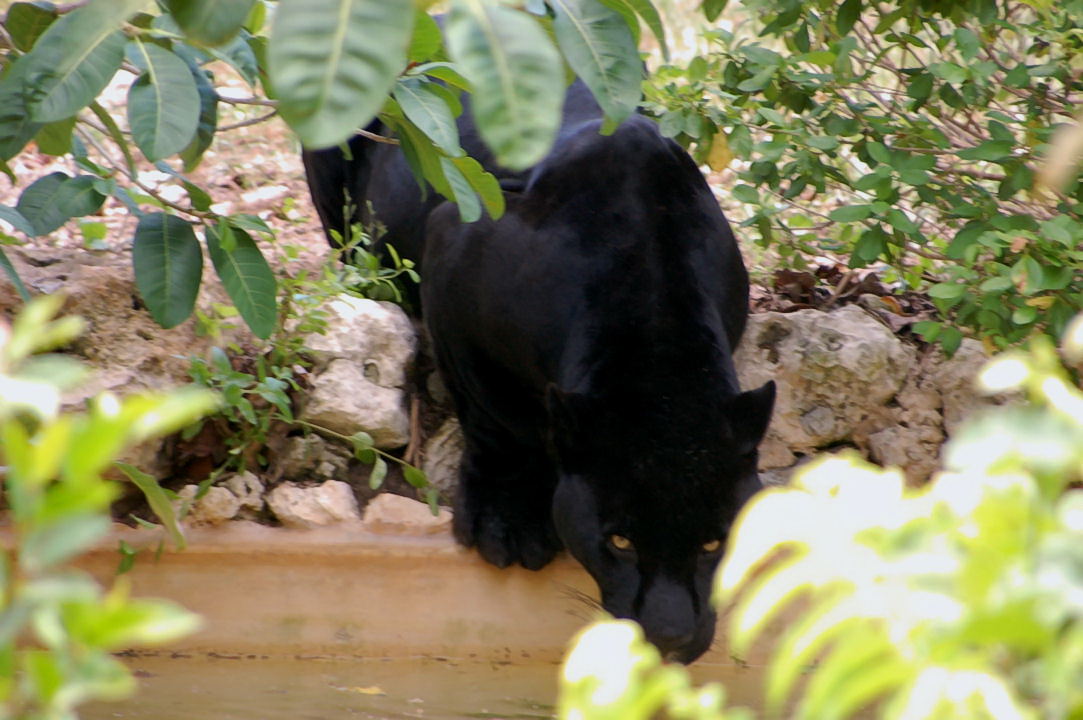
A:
(327, 66)
(903, 132)
(613, 673)
(369, 275)
(57, 628)
(961, 599)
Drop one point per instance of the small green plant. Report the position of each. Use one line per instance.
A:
(57, 626)
(367, 272)
(962, 599)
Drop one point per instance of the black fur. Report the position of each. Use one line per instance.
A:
(587, 338)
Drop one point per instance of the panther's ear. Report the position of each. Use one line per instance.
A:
(748, 414)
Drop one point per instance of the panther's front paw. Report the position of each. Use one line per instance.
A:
(504, 538)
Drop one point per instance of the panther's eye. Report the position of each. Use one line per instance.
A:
(620, 542)
(712, 546)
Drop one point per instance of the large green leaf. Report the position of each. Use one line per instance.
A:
(208, 119)
(426, 108)
(168, 267)
(55, 137)
(26, 21)
(600, 48)
(332, 63)
(16, 125)
(246, 276)
(79, 196)
(210, 22)
(646, 10)
(517, 78)
(163, 102)
(16, 220)
(39, 203)
(76, 58)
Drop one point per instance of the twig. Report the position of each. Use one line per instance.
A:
(375, 137)
(250, 121)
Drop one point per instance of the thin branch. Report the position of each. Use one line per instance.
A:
(375, 137)
(250, 121)
(248, 101)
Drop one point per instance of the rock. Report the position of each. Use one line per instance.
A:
(954, 380)
(833, 371)
(309, 507)
(389, 514)
(215, 507)
(913, 450)
(248, 489)
(441, 457)
(344, 400)
(310, 457)
(376, 336)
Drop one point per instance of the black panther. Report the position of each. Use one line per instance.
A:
(586, 338)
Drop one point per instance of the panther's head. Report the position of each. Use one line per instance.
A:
(647, 510)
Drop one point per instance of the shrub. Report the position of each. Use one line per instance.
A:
(57, 627)
(906, 133)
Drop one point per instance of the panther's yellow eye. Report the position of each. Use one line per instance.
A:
(620, 542)
(713, 546)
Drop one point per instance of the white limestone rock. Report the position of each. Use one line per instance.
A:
(377, 336)
(833, 371)
(344, 400)
(389, 514)
(308, 507)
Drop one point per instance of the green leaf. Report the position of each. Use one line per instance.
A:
(13, 275)
(871, 245)
(168, 267)
(914, 177)
(159, 502)
(26, 21)
(990, 150)
(465, 198)
(48, 544)
(39, 203)
(517, 78)
(484, 184)
(947, 290)
(427, 39)
(241, 55)
(949, 72)
(163, 102)
(248, 279)
(76, 58)
(379, 472)
(79, 196)
(207, 123)
(414, 476)
(332, 63)
(427, 109)
(16, 125)
(950, 339)
(713, 8)
(55, 138)
(920, 86)
(848, 14)
(646, 10)
(851, 213)
(967, 42)
(210, 22)
(16, 220)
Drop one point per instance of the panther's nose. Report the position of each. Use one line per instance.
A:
(668, 617)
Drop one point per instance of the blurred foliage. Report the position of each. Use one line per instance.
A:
(57, 627)
(906, 133)
(961, 599)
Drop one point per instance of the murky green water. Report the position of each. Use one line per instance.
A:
(252, 688)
